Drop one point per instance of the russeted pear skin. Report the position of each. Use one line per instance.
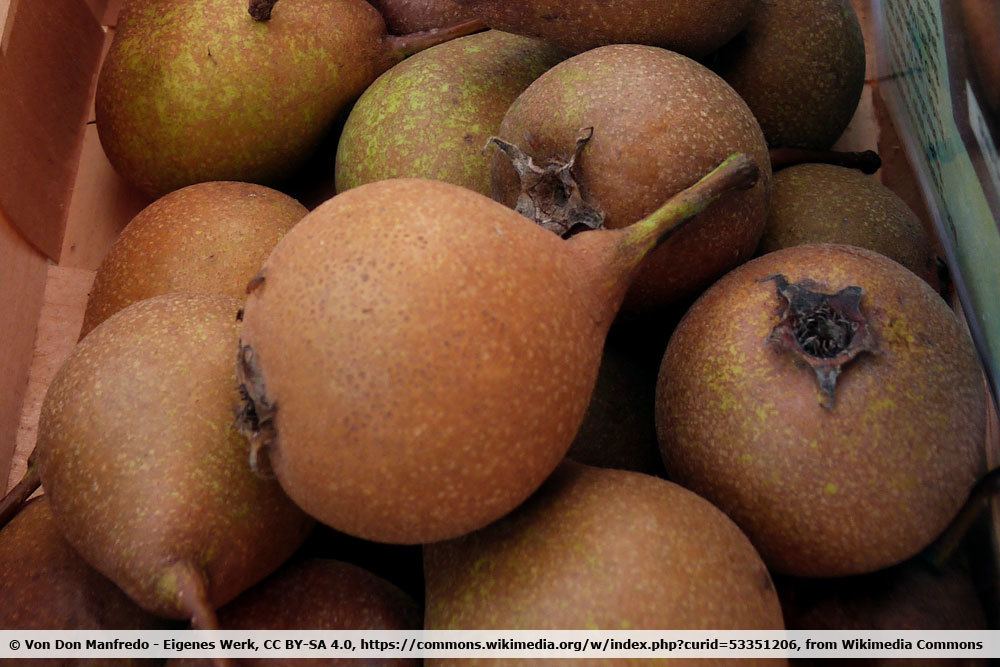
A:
(606, 549)
(691, 28)
(199, 90)
(825, 487)
(317, 594)
(405, 16)
(209, 238)
(430, 116)
(45, 585)
(800, 66)
(390, 310)
(417, 358)
(146, 475)
(660, 121)
(820, 203)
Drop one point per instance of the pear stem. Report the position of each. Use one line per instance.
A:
(868, 162)
(736, 172)
(260, 10)
(939, 553)
(401, 46)
(14, 500)
(192, 593)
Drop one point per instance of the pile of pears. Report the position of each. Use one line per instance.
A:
(563, 351)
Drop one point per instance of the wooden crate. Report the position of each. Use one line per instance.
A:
(75, 204)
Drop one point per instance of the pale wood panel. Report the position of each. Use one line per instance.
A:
(46, 72)
(59, 322)
(22, 283)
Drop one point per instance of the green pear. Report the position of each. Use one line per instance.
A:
(201, 90)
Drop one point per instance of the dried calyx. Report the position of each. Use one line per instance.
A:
(255, 415)
(260, 10)
(550, 195)
(826, 331)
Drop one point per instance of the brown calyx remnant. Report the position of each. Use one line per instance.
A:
(550, 195)
(826, 331)
(255, 416)
(260, 10)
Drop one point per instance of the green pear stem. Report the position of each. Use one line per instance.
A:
(939, 553)
(402, 46)
(736, 172)
(14, 500)
(867, 162)
(260, 10)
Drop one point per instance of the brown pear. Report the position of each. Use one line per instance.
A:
(820, 203)
(657, 121)
(691, 28)
(800, 66)
(317, 595)
(607, 549)
(146, 475)
(209, 238)
(830, 402)
(45, 585)
(406, 16)
(417, 358)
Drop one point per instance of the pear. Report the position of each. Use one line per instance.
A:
(800, 66)
(842, 398)
(317, 594)
(208, 238)
(146, 476)
(430, 116)
(418, 358)
(820, 203)
(404, 16)
(45, 585)
(201, 90)
(646, 123)
(691, 28)
(607, 549)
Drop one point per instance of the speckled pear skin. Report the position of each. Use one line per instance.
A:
(603, 549)
(820, 492)
(430, 355)
(800, 66)
(406, 16)
(45, 585)
(198, 91)
(141, 461)
(431, 115)
(692, 28)
(819, 203)
(660, 121)
(209, 238)
(318, 594)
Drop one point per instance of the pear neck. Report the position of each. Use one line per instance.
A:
(610, 258)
